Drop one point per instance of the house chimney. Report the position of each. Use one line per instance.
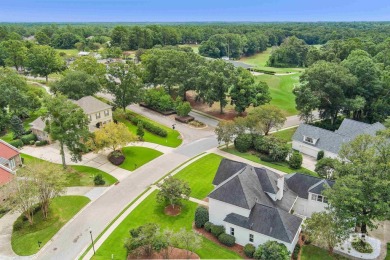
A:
(280, 185)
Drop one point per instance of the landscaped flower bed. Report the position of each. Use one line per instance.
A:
(362, 246)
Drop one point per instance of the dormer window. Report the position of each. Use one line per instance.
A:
(309, 140)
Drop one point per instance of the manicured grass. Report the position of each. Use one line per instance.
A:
(200, 175)
(62, 209)
(281, 166)
(281, 88)
(138, 156)
(388, 252)
(285, 134)
(172, 140)
(310, 252)
(149, 211)
(79, 175)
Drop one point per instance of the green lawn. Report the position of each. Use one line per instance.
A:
(310, 252)
(200, 175)
(79, 175)
(138, 156)
(281, 166)
(150, 211)
(172, 140)
(62, 209)
(388, 252)
(281, 88)
(285, 134)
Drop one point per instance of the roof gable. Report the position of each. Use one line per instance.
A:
(231, 192)
(90, 104)
(227, 168)
(7, 151)
(302, 183)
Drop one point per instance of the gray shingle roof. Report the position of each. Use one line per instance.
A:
(302, 183)
(226, 169)
(91, 104)
(38, 124)
(321, 186)
(332, 141)
(268, 221)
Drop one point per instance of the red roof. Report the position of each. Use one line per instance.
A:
(7, 151)
(5, 175)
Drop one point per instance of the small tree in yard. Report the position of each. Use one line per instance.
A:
(295, 160)
(268, 117)
(145, 240)
(326, 229)
(272, 250)
(173, 191)
(326, 168)
(16, 126)
(188, 240)
(225, 131)
(183, 108)
(140, 130)
(112, 136)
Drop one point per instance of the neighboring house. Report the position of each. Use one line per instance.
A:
(255, 204)
(98, 112)
(309, 139)
(9, 160)
(38, 128)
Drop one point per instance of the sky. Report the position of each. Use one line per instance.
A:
(192, 11)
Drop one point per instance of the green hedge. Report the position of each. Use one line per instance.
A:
(226, 239)
(147, 125)
(207, 226)
(249, 250)
(17, 143)
(41, 143)
(201, 216)
(26, 139)
(217, 230)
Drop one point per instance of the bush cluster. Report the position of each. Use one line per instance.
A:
(295, 253)
(41, 143)
(275, 148)
(207, 226)
(320, 155)
(295, 160)
(26, 139)
(362, 246)
(17, 143)
(243, 142)
(98, 180)
(249, 250)
(216, 230)
(147, 125)
(159, 100)
(183, 108)
(226, 239)
(201, 216)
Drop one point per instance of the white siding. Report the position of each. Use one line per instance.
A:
(314, 206)
(305, 148)
(218, 211)
(103, 118)
(242, 237)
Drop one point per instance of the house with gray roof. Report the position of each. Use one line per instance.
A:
(38, 128)
(309, 139)
(256, 205)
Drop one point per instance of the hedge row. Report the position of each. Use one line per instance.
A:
(226, 239)
(147, 125)
(28, 139)
(219, 232)
(17, 143)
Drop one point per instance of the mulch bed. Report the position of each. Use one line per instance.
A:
(116, 160)
(174, 253)
(213, 111)
(236, 248)
(184, 119)
(165, 113)
(172, 211)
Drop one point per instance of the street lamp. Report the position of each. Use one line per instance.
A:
(93, 245)
(173, 126)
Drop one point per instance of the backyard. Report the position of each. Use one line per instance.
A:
(25, 239)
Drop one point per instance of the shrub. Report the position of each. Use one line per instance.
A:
(18, 224)
(362, 246)
(295, 160)
(216, 230)
(140, 130)
(26, 139)
(98, 180)
(249, 250)
(278, 151)
(183, 108)
(320, 155)
(243, 142)
(17, 143)
(265, 158)
(226, 239)
(147, 125)
(116, 158)
(201, 216)
(272, 250)
(295, 253)
(159, 100)
(207, 226)
(260, 144)
(41, 143)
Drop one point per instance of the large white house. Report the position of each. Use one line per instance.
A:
(309, 139)
(256, 205)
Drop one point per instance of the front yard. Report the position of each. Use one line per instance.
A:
(79, 175)
(137, 156)
(25, 239)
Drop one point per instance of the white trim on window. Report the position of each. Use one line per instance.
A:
(251, 238)
(232, 231)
